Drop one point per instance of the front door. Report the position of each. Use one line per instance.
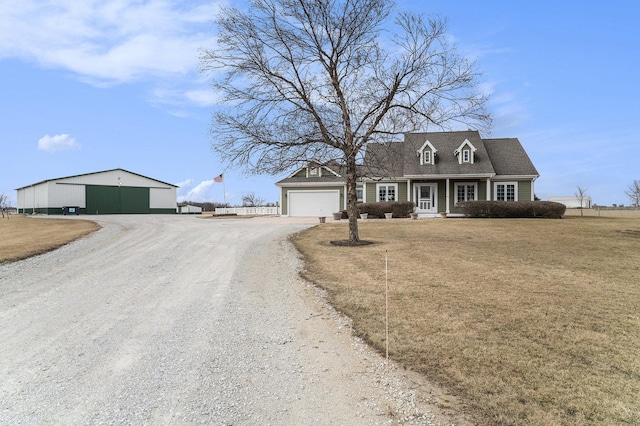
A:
(426, 198)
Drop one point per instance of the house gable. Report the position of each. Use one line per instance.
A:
(465, 152)
(427, 153)
(314, 169)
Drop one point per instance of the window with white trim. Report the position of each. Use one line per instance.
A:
(359, 194)
(427, 157)
(465, 152)
(386, 192)
(506, 191)
(467, 191)
(313, 171)
(427, 153)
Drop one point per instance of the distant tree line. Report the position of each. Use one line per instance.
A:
(248, 200)
(632, 191)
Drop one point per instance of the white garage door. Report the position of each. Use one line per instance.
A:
(313, 203)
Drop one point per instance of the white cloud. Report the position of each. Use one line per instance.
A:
(508, 109)
(178, 113)
(198, 193)
(487, 88)
(108, 42)
(186, 182)
(57, 143)
(182, 99)
(203, 97)
(199, 190)
(207, 190)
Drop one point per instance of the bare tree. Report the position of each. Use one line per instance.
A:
(4, 204)
(633, 192)
(252, 200)
(320, 79)
(581, 194)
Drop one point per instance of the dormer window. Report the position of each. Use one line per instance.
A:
(465, 152)
(427, 153)
(314, 170)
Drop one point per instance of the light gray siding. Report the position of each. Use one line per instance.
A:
(162, 198)
(62, 195)
(33, 197)
(113, 178)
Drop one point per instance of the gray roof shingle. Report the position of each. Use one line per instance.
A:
(446, 162)
(399, 159)
(509, 157)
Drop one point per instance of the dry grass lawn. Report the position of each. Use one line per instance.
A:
(527, 321)
(21, 236)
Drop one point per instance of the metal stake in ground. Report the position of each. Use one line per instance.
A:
(386, 303)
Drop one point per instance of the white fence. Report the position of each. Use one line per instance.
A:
(243, 211)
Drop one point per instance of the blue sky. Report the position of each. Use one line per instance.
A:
(93, 85)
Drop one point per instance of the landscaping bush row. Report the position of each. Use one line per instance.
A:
(513, 209)
(377, 210)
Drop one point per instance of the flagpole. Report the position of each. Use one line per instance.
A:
(224, 192)
(220, 179)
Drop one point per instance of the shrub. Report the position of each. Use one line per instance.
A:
(377, 210)
(513, 209)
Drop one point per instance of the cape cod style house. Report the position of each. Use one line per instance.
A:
(434, 170)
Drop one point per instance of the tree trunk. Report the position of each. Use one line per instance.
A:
(352, 200)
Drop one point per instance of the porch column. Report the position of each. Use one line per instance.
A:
(346, 197)
(447, 210)
(488, 189)
(533, 195)
(364, 191)
(409, 190)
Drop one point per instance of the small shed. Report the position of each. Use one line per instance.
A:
(573, 202)
(188, 209)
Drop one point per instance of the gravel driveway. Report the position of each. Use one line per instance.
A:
(179, 320)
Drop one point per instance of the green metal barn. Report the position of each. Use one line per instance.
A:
(114, 191)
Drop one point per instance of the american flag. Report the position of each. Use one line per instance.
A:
(218, 178)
